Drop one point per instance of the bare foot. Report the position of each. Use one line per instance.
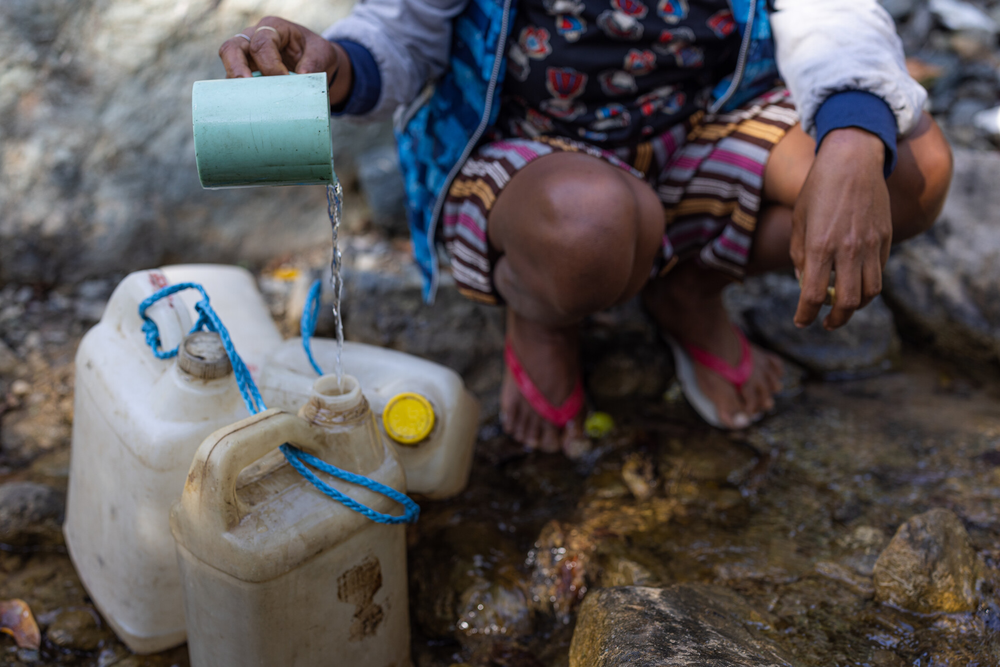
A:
(694, 314)
(551, 358)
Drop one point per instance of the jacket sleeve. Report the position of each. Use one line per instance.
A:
(409, 39)
(828, 46)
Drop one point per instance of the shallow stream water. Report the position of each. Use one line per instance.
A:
(791, 514)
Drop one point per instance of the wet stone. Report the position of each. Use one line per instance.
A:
(77, 629)
(930, 566)
(30, 515)
(686, 624)
(864, 346)
(944, 286)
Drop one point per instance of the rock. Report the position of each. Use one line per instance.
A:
(988, 122)
(30, 515)
(382, 185)
(944, 286)
(864, 346)
(387, 309)
(77, 629)
(959, 15)
(491, 610)
(930, 566)
(898, 9)
(686, 624)
(97, 169)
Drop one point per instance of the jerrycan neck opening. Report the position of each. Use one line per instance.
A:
(202, 355)
(335, 395)
(332, 404)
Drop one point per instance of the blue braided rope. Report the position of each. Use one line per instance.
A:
(208, 320)
(296, 457)
(307, 326)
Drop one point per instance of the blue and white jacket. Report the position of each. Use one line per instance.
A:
(439, 65)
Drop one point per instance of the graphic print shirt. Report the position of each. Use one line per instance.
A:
(614, 72)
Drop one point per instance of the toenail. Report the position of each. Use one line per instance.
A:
(740, 420)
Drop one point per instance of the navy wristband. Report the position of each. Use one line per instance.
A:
(861, 109)
(367, 85)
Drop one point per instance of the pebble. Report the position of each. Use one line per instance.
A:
(930, 566)
(988, 122)
(77, 629)
(958, 15)
(30, 515)
(20, 388)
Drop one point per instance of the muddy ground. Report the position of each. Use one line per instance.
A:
(791, 514)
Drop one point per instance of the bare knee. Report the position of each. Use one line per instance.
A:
(576, 242)
(919, 186)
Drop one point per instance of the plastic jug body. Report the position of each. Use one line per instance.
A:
(437, 465)
(275, 572)
(137, 423)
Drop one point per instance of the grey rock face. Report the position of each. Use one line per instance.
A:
(944, 286)
(929, 566)
(687, 624)
(30, 515)
(97, 170)
(865, 345)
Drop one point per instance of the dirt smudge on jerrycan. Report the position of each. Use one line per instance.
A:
(358, 586)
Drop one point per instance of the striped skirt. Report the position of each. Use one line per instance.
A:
(707, 171)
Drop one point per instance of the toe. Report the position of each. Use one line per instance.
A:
(734, 413)
(550, 439)
(533, 432)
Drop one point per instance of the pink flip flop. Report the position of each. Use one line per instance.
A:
(557, 416)
(686, 355)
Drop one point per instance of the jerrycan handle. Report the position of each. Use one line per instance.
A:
(210, 491)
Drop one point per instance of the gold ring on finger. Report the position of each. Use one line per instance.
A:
(266, 27)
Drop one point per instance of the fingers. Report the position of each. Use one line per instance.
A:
(848, 295)
(871, 282)
(234, 53)
(269, 39)
(815, 280)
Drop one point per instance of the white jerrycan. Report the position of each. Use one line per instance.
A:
(239, 304)
(275, 572)
(138, 421)
(423, 407)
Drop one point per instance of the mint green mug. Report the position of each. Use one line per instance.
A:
(272, 130)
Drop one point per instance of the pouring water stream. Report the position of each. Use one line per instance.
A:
(334, 208)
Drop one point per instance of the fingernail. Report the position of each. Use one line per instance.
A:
(740, 420)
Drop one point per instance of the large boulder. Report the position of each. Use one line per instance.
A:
(97, 170)
(944, 286)
(930, 566)
(687, 624)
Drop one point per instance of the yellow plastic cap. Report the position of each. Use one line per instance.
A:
(408, 418)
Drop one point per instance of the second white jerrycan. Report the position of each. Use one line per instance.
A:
(138, 421)
(422, 407)
(274, 571)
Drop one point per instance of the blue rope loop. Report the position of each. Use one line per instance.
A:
(208, 320)
(307, 326)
